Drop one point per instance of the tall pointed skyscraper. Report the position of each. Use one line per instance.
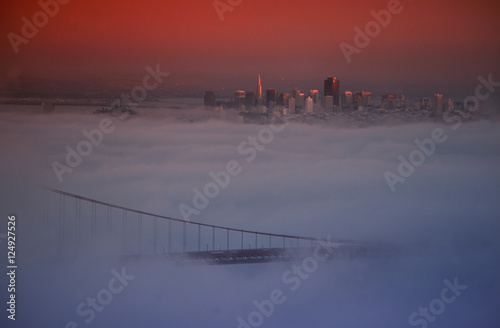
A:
(259, 92)
(259, 88)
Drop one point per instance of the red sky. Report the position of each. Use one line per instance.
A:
(445, 44)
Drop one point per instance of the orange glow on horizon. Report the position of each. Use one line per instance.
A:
(100, 38)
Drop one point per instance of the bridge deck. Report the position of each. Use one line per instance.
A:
(271, 254)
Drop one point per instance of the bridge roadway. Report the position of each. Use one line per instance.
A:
(264, 255)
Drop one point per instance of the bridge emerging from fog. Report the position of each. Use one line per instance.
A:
(75, 220)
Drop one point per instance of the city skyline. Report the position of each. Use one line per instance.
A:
(439, 47)
(102, 89)
(331, 87)
(251, 107)
(342, 155)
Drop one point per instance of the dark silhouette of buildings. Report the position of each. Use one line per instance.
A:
(250, 99)
(271, 96)
(239, 98)
(283, 99)
(209, 99)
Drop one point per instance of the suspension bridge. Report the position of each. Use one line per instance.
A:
(75, 219)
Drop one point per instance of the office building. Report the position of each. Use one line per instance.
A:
(271, 96)
(250, 99)
(346, 98)
(283, 99)
(438, 104)
(238, 98)
(259, 92)
(389, 101)
(314, 94)
(328, 103)
(291, 105)
(300, 101)
(426, 103)
(332, 88)
(309, 105)
(366, 97)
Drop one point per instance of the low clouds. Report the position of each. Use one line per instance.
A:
(310, 180)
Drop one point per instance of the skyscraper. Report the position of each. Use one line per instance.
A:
(259, 92)
(389, 101)
(239, 98)
(328, 103)
(309, 105)
(291, 105)
(347, 98)
(367, 98)
(283, 99)
(300, 101)
(271, 96)
(250, 99)
(332, 88)
(314, 94)
(438, 104)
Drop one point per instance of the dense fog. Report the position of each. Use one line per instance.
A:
(299, 179)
